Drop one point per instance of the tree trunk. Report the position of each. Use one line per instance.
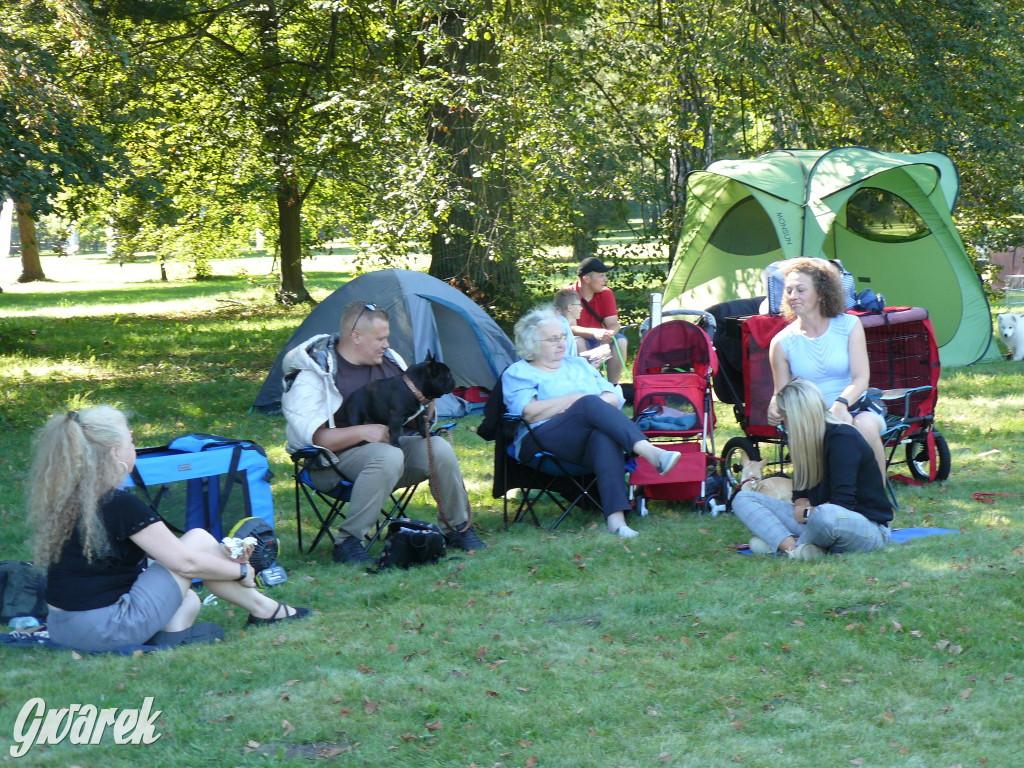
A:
(289, 221)
(584, 243)
(31, 267)
(685, 156)
(279, 144)
(472, 247)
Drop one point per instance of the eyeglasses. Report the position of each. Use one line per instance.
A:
(371, 307)
(560, 339)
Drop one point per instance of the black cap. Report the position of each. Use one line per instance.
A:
(591, 264)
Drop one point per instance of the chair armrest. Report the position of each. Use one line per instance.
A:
(890, 395)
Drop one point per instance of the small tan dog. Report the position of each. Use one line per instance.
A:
(752, 479)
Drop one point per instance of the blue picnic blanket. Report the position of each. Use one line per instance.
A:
(900, 535)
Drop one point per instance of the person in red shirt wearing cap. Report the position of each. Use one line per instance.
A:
(599, 322)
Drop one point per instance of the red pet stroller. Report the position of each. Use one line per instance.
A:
(672, 377)
(904, 362)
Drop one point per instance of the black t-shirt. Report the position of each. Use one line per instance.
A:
(349, 377)
(75, 584)
(851, 479)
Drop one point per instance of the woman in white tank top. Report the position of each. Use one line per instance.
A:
(827, 347)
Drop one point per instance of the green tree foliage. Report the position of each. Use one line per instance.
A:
(50, 134)
(483, 133)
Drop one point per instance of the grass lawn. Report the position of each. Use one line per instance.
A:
(571, 648)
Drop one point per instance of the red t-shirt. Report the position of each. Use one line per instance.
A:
(603, 305)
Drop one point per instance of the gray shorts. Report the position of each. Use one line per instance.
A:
(137, 615)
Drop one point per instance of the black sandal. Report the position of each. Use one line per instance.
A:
(275, 618)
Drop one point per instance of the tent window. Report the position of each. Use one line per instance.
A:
(745, 230)
(878, 214)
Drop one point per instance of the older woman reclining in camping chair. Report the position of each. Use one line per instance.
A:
(572, 411)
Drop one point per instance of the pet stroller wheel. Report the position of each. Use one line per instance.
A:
(736, 453)
(917, 457)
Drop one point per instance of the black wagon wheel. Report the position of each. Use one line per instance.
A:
(917, 457)
(737, 451)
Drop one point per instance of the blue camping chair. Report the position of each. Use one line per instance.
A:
(327, 507)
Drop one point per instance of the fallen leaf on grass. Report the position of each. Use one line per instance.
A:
(333, 751)
(286, 727)
(434, 726)
(370, 707)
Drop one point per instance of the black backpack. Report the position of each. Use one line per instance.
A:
(22, 590)
(411, 542)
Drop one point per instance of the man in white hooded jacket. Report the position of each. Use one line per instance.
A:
(319, 374)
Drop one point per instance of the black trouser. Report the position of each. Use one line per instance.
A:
(595, 435)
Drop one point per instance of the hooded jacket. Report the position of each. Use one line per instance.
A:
(310, 397)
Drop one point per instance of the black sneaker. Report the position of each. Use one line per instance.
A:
(465, 539)
(351, 550)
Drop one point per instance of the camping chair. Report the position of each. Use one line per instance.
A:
(327, 506)
(545, 476)
(566, 485)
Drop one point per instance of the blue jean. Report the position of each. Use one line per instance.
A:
(830, 526)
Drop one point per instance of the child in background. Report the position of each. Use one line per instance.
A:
(568, 307)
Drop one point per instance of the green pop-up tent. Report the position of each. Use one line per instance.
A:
(887, 217)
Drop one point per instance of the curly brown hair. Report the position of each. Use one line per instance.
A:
(826, 281)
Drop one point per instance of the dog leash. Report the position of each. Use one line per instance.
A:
(432, 480)
(412, 388)
(988, 497)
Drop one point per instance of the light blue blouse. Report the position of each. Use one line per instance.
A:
(570, 340)
(523, 382)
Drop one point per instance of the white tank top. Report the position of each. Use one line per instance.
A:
(825, 361)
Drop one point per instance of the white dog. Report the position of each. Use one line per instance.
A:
(1011, 329)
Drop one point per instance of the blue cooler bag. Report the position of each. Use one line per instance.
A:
(205, 481)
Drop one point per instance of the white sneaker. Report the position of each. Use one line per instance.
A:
(760, 547)
(667, 460)
(626, 532)
(808, 552)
